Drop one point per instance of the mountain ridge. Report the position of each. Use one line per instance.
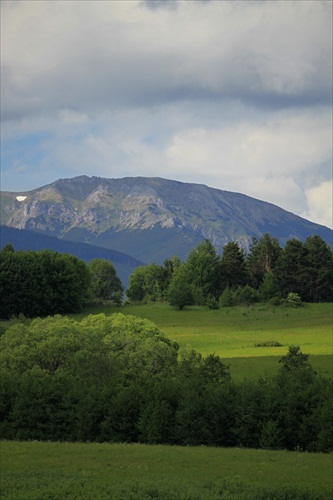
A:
(152, 217)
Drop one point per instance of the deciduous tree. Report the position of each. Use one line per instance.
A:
(203, 271)
(105, 284)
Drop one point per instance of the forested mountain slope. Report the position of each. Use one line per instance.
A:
(150, 218)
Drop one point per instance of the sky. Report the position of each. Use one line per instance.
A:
(236, 95)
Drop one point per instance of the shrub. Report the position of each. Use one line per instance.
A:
(246, 296)
(275, 301)
(227, 298)
(212, 303)
(294, 300)
(268, 343)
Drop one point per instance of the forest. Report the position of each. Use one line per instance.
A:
(266, 273)
(118, 378)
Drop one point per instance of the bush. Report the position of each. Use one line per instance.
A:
(245, 296)
(212, 303)
(268, 343)
(294, 300)
(275, 301)
(227, 298)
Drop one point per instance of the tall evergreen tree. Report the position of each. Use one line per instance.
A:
(262, 258)
(233, 266)
(318, 260)
(290, 268)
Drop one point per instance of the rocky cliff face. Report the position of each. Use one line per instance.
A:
(147, 214)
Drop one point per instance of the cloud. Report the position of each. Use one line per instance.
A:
(108, 54)
(284, 144)
(319, 202)
(160, 4)
(236, 95)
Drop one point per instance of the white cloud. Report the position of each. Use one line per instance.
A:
(287, 143)
(320, 206)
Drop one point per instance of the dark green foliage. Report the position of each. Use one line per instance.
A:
(203, 270)
(136, 284)
(118, 378)
(170, 265)
(262, 258)
(149, 283)
(306, 269)
(269, 288)
(289, 269)
(318, 272)
(233, 266)
(105, 284)
(41, 283)
(157, 419)
(268, 343)
(227, 298)
(268, 274)
(250, 413)
(245, 296)
(180, 289)
(212, 303)
(301, 269)
(295, 360)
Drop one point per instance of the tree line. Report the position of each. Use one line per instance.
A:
(119, 379)
(45, 282)
(266, 272)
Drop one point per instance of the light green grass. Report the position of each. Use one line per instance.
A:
(37, 470)
(232, 333)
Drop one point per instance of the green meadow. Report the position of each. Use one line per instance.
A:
(100, 471)
(232, 333)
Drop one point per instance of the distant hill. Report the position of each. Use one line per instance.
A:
(150, 218)
(22, 239)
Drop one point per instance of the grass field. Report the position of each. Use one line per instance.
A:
(42, 471)
(232, 333)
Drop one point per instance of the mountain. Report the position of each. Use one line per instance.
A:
(149, 218)
(22, 239)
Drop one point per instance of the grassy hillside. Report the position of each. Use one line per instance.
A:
(121, 471)
(233, 332)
